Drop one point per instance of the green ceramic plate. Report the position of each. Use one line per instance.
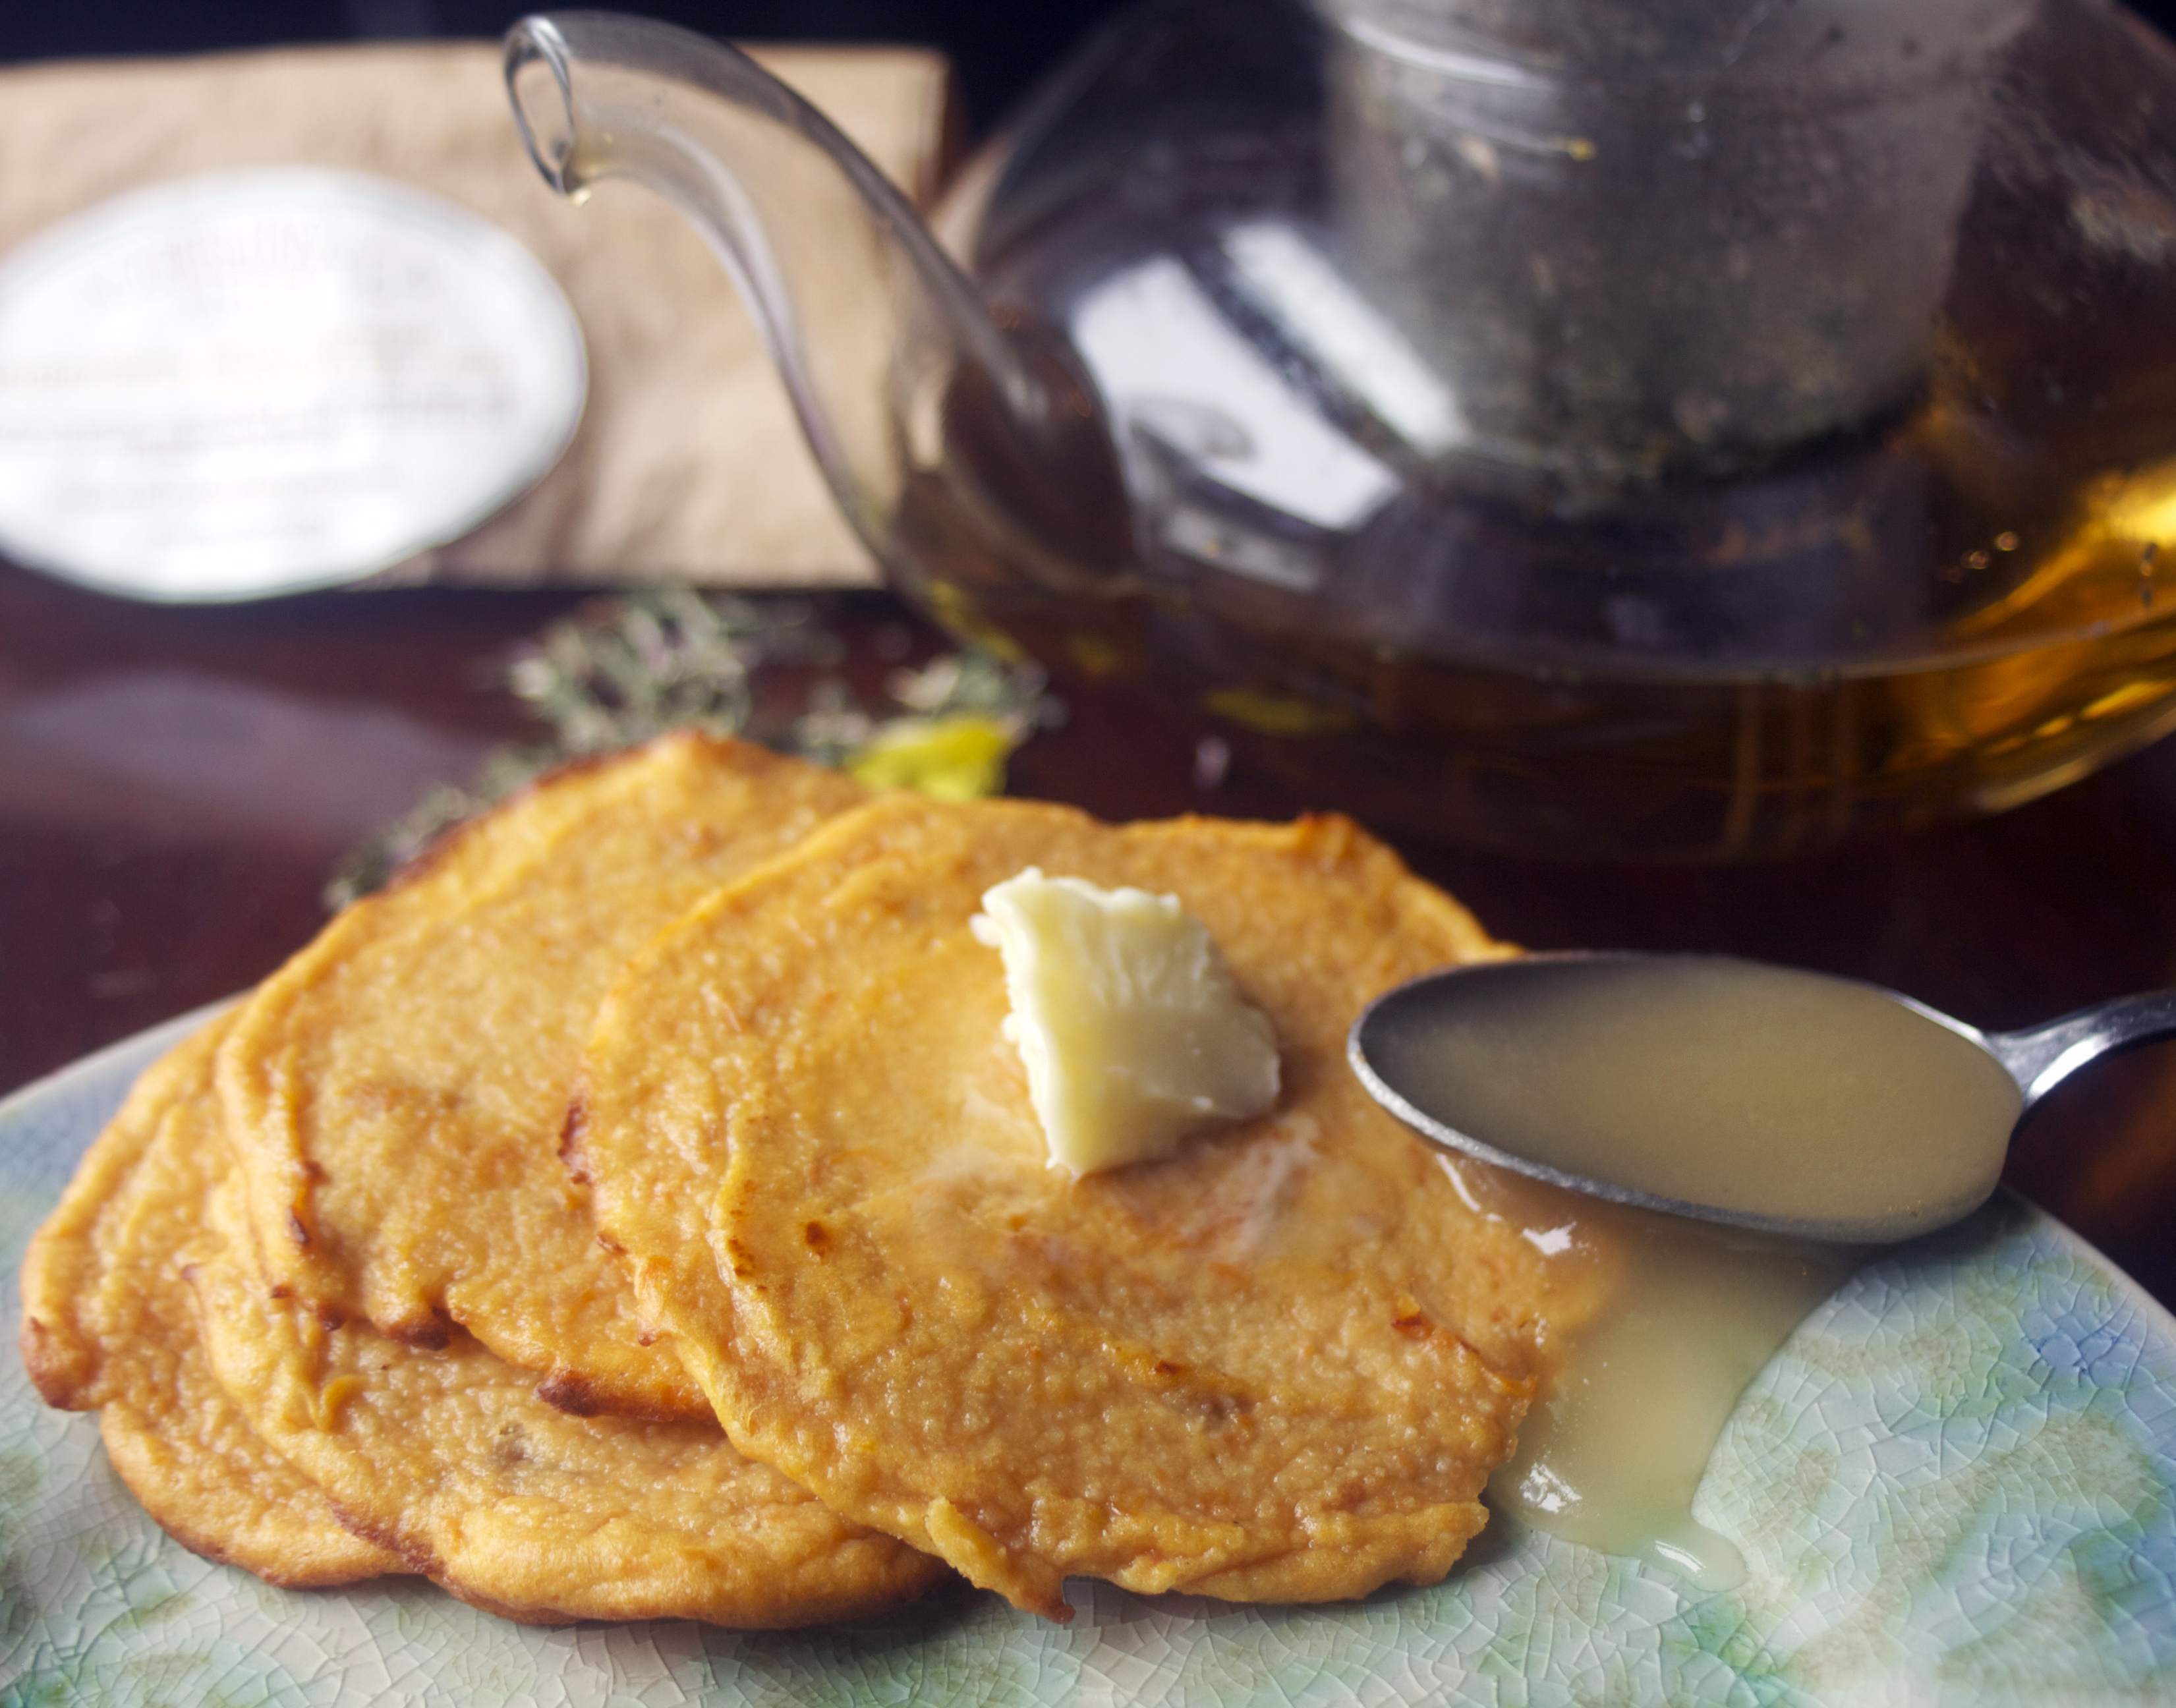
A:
(1956, 1484)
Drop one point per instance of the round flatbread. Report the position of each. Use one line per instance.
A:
(1277, 1366)
(447, 1457)
(108, 1322)
(394, 1094)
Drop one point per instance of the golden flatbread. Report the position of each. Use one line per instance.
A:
(1278, 1366)
(108, 1322)
(313, 1456)
(447, 1457)
(394, 1093)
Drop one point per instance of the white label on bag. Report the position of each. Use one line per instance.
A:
(256, 382)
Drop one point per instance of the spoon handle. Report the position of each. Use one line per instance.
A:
(2041, 1058)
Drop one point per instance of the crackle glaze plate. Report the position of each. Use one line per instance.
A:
(1956, 1484)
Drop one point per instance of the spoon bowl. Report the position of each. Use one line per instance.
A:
(1725, 1089)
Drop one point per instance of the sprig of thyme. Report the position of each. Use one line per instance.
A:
(622, 670)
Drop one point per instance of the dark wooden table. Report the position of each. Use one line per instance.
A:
(175, 784)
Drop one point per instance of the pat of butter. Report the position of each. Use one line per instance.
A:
(1125, 1017)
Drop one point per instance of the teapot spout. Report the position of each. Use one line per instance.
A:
(942, 434)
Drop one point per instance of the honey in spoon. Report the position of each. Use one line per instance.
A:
(1706, 1086)
(1739, 1134)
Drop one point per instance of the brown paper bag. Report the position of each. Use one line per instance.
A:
(689, 464)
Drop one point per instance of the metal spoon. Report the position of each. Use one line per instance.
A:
(1730, 1091)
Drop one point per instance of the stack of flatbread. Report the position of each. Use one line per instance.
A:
(637, 1211)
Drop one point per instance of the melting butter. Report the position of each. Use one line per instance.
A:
(1125, 1017)
(1612, 1453)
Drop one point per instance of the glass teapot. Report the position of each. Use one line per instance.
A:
(1591, 428)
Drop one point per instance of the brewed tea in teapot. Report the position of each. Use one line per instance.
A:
(1582, 427)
